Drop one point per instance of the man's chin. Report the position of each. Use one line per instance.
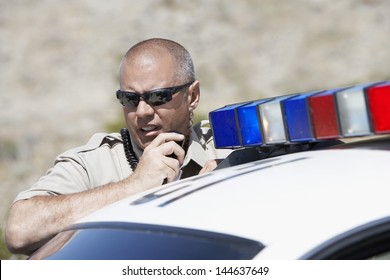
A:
(145, 138)
(143, 143)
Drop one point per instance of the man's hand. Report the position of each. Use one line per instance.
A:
(157, 164)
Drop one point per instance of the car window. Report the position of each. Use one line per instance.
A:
(142, 242)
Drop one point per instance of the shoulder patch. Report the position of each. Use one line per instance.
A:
(203, 131)
(96, 141)
(110, 141)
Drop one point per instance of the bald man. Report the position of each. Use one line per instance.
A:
(159, 93)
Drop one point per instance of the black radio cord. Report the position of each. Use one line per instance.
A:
(129, 152)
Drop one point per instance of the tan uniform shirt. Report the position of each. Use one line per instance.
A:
(102, 160)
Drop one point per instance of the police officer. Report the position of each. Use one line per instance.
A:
(159, 93)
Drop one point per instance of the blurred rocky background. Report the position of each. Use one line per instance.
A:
(59, 62)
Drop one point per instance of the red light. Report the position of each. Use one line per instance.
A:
(324, 115)
(378, 98)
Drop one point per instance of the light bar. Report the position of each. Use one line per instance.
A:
(359, 110)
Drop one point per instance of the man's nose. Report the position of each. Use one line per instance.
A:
(144, 109)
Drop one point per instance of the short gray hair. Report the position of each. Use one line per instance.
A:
(185, 67)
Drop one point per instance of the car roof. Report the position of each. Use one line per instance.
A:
(289, 203)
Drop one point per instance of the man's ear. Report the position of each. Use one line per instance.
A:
(193, 95)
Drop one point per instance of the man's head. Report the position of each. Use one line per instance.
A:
(156, 64)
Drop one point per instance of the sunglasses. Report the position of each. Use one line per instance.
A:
(154, 97)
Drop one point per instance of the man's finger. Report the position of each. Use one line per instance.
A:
(166, 137)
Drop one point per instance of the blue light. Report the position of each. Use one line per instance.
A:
(297, 116)
(224, 125)
(249, 123)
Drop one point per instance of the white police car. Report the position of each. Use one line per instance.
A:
(288, 192)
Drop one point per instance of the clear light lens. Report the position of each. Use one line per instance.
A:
(272, 121)
(352, 111)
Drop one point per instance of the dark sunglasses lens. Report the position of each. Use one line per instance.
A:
(158, 97)
(129, 99)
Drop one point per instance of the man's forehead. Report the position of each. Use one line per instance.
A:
(146, 72)
(148, 60)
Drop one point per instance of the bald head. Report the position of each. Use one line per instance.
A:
(152, 50)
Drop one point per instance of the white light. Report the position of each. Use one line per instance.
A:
(352, 110)
(272, 121)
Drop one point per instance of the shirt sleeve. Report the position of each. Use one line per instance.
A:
(67, 176)
(100, 161)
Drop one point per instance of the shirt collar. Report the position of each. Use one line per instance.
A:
(196, 151)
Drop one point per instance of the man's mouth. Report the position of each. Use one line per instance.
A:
(148, 128)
